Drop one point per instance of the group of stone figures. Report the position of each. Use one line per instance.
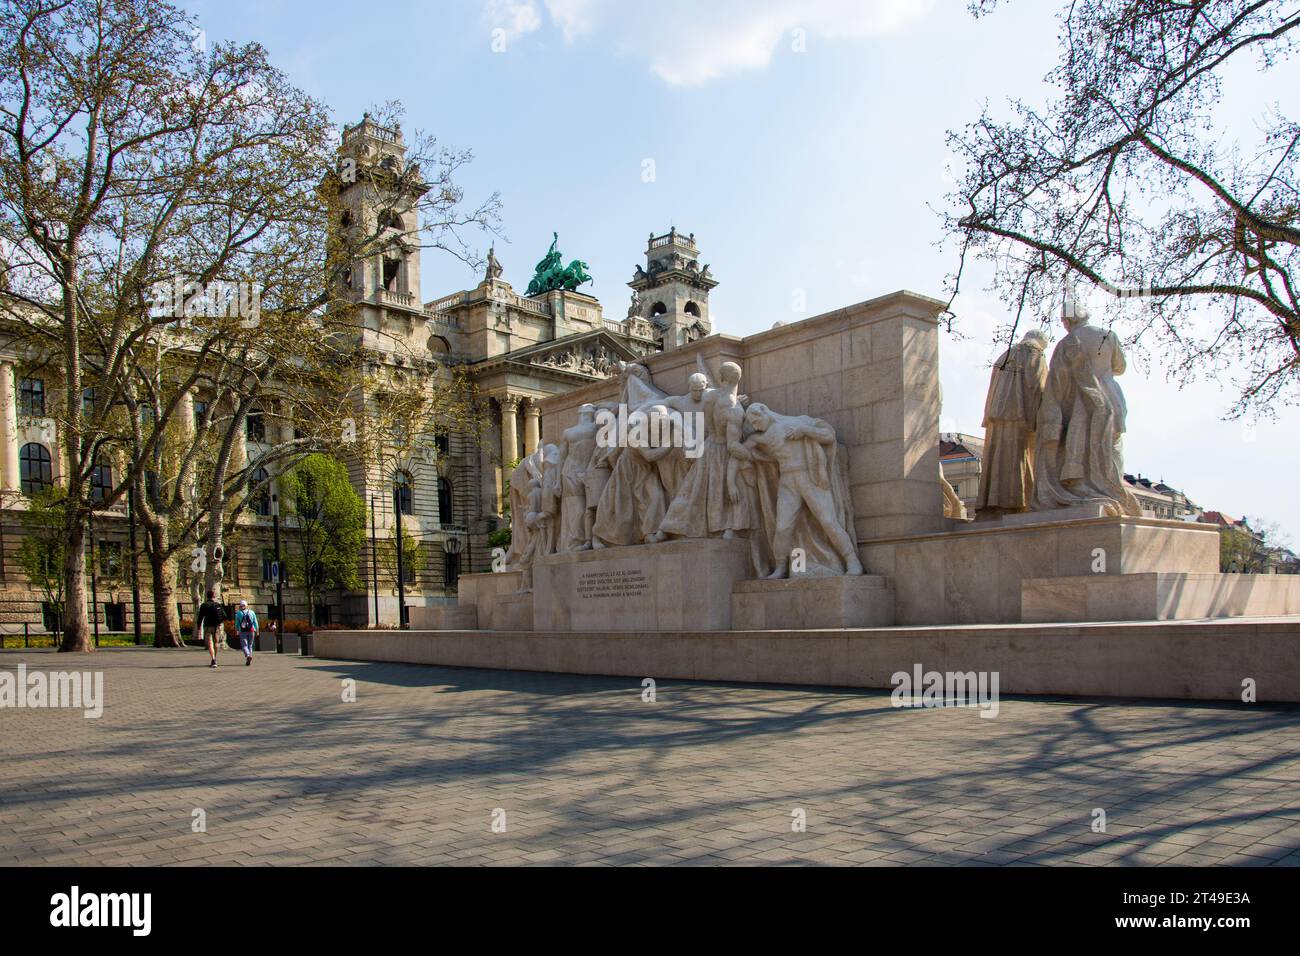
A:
(1053, 433)
(779, 481)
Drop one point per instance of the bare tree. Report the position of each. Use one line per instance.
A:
(1128, 181)
(139, 171)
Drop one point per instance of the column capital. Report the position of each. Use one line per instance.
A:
(532, 408)
(509, 402)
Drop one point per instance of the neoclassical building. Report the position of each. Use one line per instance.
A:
(514, 349)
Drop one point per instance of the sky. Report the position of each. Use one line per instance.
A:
(801, 141)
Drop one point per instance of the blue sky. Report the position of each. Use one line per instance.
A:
(802, 141)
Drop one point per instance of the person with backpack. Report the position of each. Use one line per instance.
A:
(246, 628)
(210, 621)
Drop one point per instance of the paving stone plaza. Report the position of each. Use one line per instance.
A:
(583, 770)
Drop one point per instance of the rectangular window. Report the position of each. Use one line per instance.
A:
(49, 617)
(254, 427)
(200, 409)
(110, 559)
(268, 566)
(101, 483)
(31, 397)
(88, 402)
(321, 615)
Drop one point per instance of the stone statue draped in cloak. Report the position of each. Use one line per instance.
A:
(634, 499)
(1078, 448)
(1010, 419)
(710, 502)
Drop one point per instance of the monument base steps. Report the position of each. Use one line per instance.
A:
(1159, 597)
(1168, 659)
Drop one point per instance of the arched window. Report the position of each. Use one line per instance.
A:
(659, 309)
(101, 482)
(692, 309)
(444, 501)
(35, 472)
(261, 503)
(402, 493)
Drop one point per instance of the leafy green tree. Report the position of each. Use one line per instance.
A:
(1250, 549)
(42, 554)
(329, 519)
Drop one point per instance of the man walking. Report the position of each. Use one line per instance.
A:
(246, 628)
(210, 620)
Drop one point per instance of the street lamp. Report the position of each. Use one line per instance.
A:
(279, 574)
(374, 556)
(135, 569)
(94, 594)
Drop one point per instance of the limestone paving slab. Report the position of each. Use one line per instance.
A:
(585, 770)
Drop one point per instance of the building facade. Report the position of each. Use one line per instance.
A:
(514, 351)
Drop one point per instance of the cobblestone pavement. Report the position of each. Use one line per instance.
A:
(417, 768)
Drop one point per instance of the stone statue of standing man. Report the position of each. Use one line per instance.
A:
(1010, 423)
(1079, 445)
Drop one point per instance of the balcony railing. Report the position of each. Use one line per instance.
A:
(670, 238)
(403, 299)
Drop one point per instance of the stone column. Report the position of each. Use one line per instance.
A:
(532, 421)
(8, 428)
(509, 431)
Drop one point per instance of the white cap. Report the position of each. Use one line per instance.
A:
(243, 604)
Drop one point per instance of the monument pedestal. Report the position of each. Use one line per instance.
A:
(975, 575)
(1158, 596)
(680, 585)
(812, 603)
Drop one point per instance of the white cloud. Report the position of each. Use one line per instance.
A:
(575, 18)
(515, 17)
(688, 43)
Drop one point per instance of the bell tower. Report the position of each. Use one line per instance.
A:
(672, 290)
(379, 218)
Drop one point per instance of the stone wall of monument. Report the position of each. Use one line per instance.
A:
(870, 370)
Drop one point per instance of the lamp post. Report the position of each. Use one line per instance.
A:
(135, 571)
(94, 595)
(279, 574)
(401, 577)
(374, 556)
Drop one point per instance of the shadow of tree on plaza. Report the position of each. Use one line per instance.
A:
(585, 758)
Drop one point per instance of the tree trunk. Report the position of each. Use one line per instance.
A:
(213, 578)
(76, 623)
(166, 620)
